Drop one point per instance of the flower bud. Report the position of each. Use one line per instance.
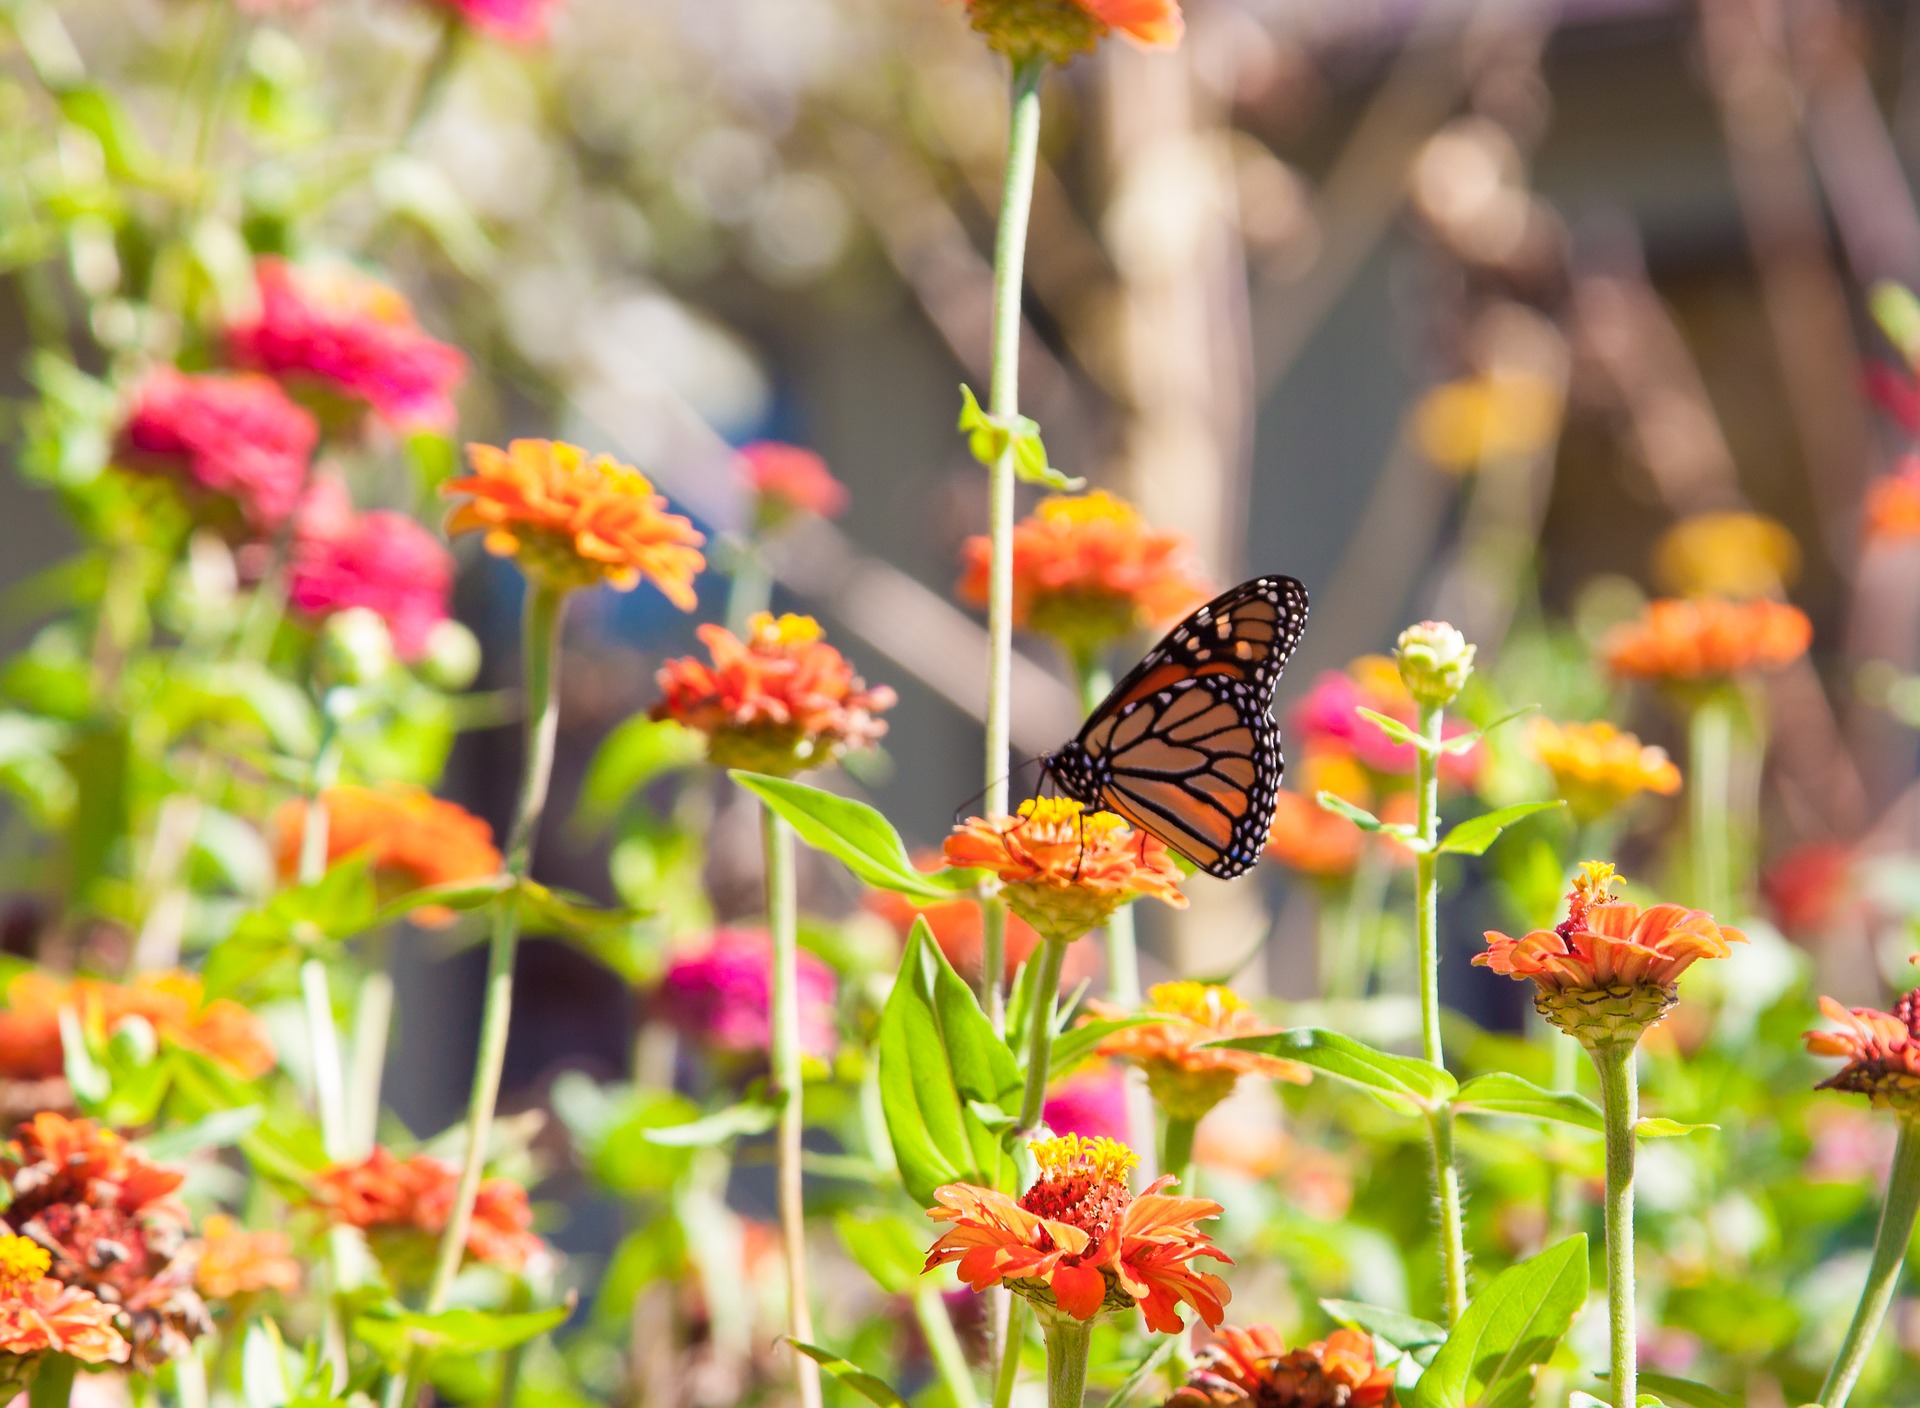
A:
(452, 658)
(355, 648)
(1435, 661)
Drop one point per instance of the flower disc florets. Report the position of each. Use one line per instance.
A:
(1881, 1049)
(1187, 1078)
(1253, 1368)
(1064, 869)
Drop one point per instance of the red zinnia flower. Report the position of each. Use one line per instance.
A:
(385, 1194)
(381, 560)
(414, 839)
(353, 336)
(1078, 1238)
(1881, 1049)
(232, 438)
(788, 480)
(1254, 1368)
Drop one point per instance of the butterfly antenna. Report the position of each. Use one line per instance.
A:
(961, 812)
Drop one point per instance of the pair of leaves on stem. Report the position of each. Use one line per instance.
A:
(989, 437)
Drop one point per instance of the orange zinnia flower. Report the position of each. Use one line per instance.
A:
(573, 521)
(382, 1193)
(1252, 1366)
(1306, 837)
(1058, 30)
(1187, 1078)
(788, 480)
(1598, 768)
(1609, 968)
(236, 1262)
(1893, 504)
(1881, 1049)
(1080, 1240)
(1088, 568)
(174, 1004)
(780, 701)
(413, 840)
(1065, 869)
(38, 1314)
(1707, 638)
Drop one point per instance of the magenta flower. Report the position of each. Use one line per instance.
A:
(720, 993)
(1329, 714)
(515, 21)
(1092, 1103)
(233, 438)
(352, 336)
(381, 560)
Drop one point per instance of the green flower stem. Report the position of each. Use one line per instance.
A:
(1710, 751)
(1620, 1100)
(783, 920)
(1446, 1173)
(1883, 1275)
(1010, 1342)
(323, 1040)
(949, 1358)
(52, 1385)
(1052, 956)
(1176, 1156)
(751, 588)
(1068, 1341)
(367, 1064)
(540, 658)
(1009, 261)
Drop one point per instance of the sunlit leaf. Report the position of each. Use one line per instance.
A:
(1472, 837)
(869, 1386)
(1406, 1084)
(1500, 1093)
(854, 834)
(1513, 1326)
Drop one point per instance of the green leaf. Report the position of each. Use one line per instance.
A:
(1393, 728)
(1501, 1093)
(869, 1386)
(633, 755)
(1072, 1047)
(1467, 742)
(1513, 1326)
(854, 834)
(1683, 1393)
(1340, 806)
(391, 1331)
(216, 1131)
(1659, 1128)
(721, 1127)
(1132, 1384)
(1406, 1084)
(1472, 837)
(887, 1247)
(938, 1054)
(1407, 1333)
(988, 437)
(1897, 312)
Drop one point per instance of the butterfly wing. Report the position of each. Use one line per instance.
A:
(1185, 746)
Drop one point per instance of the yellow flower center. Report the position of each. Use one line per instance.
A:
(22, 1262)
(1103, 1160)
(1065, 812)
(788, 630)
(1086, 510)
(1593, 885)
(1205, 1003)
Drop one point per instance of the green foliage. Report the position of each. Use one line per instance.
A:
(856, 835)
(1404, 1084)
(1513, 1326)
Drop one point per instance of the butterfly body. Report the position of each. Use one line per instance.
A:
(1185, 747)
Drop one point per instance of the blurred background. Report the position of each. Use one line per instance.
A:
(1449, 309)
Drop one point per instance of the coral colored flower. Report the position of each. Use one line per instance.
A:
(38, 1314)
(1253, 1367)
(1707, 638)
(381, 560)
(1187, 1077)
(1092, 1103)
(235, 440)
(515, 21)
(1810, 886)
(1089, 568)
(351, 336)
(1893, 504)
(236, 1262)
(413, 839)
(1060, 30)
(1306, 837)
(789, 480)
(1328, 718)
(1066, 869)
(173, 1004)
(573, 521)
(780, 701)
(111, 1226)
(1738, 555)
(383, 1194)
(1881, 1049)
(1079, 1240)
(721, 993)
(959, 929)
(1465, 424)
(1598, 768)
(1609, 965)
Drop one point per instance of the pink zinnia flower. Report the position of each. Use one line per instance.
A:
(1329, 712)
(1090, 1103)
(355, 336)
(516, 21)
(381, 560)
(721, 994)
(234, 437)
(789, 479)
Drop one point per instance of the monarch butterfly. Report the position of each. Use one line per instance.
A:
(1185, 747)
